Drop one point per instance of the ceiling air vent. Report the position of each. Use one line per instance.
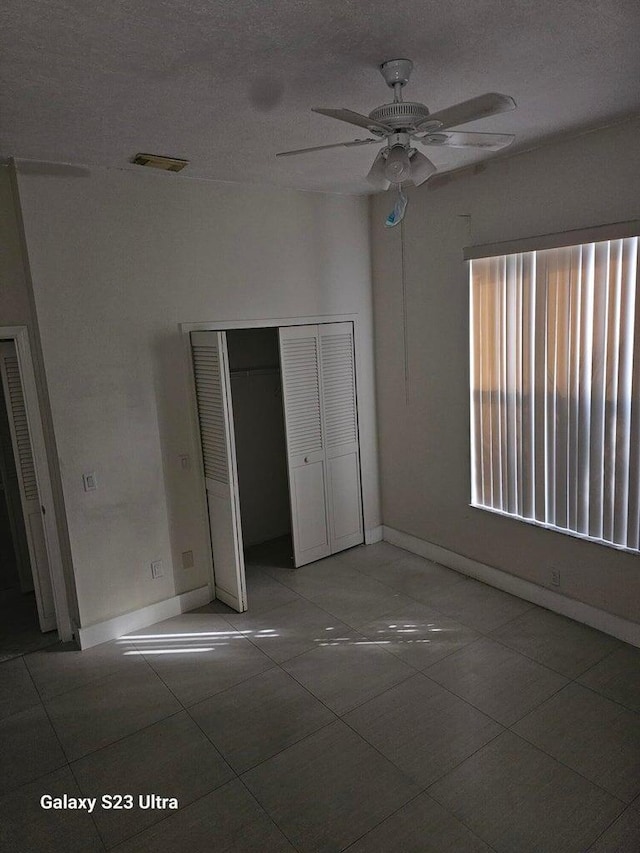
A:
(156, 161)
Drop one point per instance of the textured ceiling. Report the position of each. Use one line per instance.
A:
(228, 84)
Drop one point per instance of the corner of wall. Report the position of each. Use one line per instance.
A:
(31, 321)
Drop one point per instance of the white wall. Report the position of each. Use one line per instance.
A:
(424, 425)
(118, 259)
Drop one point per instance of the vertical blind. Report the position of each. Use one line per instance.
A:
(555, 388)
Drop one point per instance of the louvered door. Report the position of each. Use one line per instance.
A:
(300, 366)
(215, 414)
(28, 485)
(320, 408)
(340, 418)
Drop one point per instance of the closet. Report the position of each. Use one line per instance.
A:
(19, 487)
(258, 425)
(277, 415)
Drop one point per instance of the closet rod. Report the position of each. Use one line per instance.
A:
(254, 371)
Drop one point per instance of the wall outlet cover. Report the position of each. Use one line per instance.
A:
(156, 569)
(187, 559)
(90, 482)
(555, 577)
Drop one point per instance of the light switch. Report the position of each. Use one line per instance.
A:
(90, 482)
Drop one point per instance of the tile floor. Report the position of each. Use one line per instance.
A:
(19, 629)
(371, 702)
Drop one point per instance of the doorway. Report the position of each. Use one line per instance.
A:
(312, 432)
(261, 450)
(27, 614)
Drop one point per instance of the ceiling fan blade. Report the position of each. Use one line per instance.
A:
(460, 139)
(355, 118)
(421, 168)
(475, 108)
(324, 147)
(376, 176)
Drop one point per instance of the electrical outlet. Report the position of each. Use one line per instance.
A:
(156, 569)
(555, 577)
(187, 559)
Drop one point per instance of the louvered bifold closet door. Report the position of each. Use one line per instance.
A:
(215, 417)
(340, 417)
(28, 485)
(306, 464)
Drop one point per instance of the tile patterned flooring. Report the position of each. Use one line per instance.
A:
(372, 702)
(19, 629)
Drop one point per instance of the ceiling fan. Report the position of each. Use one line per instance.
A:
(401, 124)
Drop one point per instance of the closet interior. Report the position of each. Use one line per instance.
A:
(261, 452)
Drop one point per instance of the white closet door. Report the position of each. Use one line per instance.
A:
(28, 485)
(215, 413)
(300, 367)
(342, 453)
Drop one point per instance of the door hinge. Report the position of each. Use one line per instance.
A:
(44, 512)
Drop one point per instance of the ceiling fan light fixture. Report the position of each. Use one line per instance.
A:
(398, 166)
(421, 168)
(377, 177)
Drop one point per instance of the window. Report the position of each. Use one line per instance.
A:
(555, 388)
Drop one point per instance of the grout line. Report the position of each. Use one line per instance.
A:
(124, 737)
(184, 707)
(56, 735)
(573, 770)
(455, 696)
(530, 657)
(604, 696)
(33, 681)
(423, 793)
(326, 725)
(90, 681)
(101, 838)
(263, 761)
(269, 816)
(180, 807)
(606, 829)
(555, 757)
(383, 820)
(539, 704)
(137, 834)
(462, 820)
(481, 710)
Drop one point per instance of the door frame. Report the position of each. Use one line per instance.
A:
(20, 337)
(266, 323)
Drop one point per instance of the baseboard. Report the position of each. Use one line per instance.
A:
(609, 623)
(373, 535)
(111, 629)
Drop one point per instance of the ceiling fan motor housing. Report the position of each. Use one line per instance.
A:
(400, 115)
(396, 71)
